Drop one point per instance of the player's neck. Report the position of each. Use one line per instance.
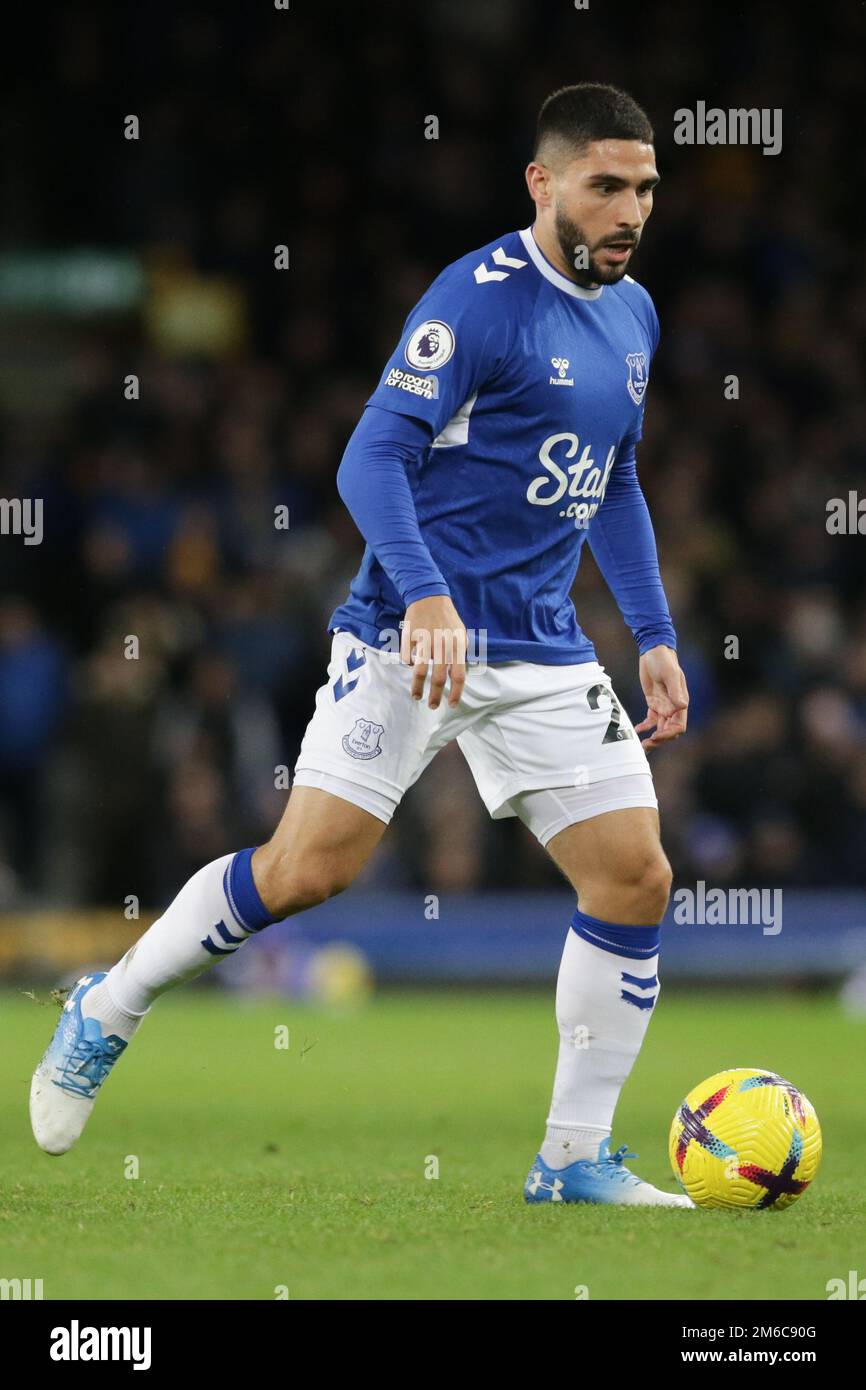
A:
(549, 246)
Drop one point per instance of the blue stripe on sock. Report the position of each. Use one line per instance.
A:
(636, 943)
(642, 981)
(217, 950)
(242, 894)
(638, 1002)
(227, 936)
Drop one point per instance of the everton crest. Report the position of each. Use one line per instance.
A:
(637, 376)
(363, 740)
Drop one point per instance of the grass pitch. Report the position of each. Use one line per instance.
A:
(263, 1168)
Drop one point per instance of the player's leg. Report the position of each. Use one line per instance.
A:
(340, 803)
(607, 988)
(558, 750)
(319, 847)
(615, 863)
(366, 743)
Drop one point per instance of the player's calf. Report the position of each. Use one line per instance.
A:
(318, 848)
(607, 991)
(317, 851)
(289, 883)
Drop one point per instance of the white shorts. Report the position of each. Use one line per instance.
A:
(550, 744)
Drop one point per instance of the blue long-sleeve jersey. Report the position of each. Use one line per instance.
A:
(501, 436)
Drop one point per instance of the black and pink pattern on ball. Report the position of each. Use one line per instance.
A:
(777, 1184)
(693, 1128)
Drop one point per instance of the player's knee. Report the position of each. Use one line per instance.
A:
(287, 886)
(645, 877)
(653, 885)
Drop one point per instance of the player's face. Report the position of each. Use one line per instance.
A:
(601, 201)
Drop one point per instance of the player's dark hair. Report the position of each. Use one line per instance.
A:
(575, 116)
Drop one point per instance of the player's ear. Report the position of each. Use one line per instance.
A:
(538, 181)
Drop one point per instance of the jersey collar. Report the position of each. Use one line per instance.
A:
(541, 263)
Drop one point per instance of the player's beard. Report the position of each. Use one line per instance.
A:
(574, 245)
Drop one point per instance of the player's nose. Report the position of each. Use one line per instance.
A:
(630, 214)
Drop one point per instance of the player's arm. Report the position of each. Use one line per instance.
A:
(373, 482)
(454, 340)
(622, 541)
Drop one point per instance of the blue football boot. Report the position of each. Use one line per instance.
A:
(604, 1180)
(67, 1080)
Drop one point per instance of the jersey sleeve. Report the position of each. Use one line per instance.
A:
(372, 482)
(451, 345)
(622, 541)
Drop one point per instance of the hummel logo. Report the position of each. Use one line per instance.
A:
(562, 365)
(346, 682)
(482, 274)
(536, 1181)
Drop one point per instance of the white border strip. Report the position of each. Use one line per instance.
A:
(560, 281)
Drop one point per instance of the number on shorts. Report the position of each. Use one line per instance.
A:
(613, 733)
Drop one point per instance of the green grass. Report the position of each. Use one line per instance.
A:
(305, 1168)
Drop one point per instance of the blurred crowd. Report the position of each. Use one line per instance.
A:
(307, 128)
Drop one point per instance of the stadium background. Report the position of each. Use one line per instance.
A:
(156, 257)
(306, 1169)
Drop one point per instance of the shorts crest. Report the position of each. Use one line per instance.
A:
(362, 741)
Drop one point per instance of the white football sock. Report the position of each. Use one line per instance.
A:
(604, 1003)
(198, 929)
(98, 1003)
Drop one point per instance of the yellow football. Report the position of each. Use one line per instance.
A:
(745, 1138)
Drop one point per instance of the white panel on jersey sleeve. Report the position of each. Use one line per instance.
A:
(457, 429)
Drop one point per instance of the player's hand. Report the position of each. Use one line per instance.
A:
(433, 637)
(667, 696)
